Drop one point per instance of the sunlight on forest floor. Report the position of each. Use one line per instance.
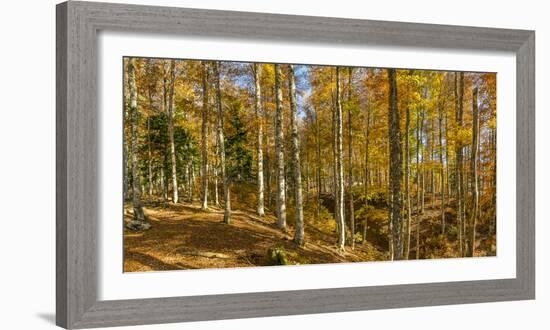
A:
(185, 237)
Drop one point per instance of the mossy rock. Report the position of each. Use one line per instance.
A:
(135, 225)
(277, 256)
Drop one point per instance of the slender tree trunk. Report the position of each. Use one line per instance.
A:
(318, 156)
(221, 142)
(149, 159)
(419, 175)
(170, 115)
(163, 189)
(424, 135)
(191, 180)
(204, 135)
(432, 157)
(268, 172)
(334, 156)
(139, 222)
(407, 184)
(447, 159)
(367, 174)
(459, 95)
(279, 146)
(150, 90)
(125, 170)
(297, 172)
(350, 163)
(418, 239)
(339, 166)
(395, 166)
(442, 171)
(260, 158)
(215, 174)
(474, 167)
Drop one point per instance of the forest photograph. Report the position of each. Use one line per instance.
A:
(239, 164)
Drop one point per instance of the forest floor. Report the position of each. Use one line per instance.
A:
(183, 236)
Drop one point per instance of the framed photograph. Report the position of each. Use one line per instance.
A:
(217, 165)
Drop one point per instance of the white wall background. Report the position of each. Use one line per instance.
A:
(27, 162)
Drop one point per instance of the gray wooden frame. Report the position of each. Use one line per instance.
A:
(77, 152)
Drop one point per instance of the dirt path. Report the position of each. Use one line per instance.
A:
(184, 237)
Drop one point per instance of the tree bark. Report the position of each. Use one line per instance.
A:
(215, 174)
(139, 222)
(150, 91)
(170, 115)
(279, 146)
(459, 96)
(297, 171)
(407, 185)
(318, 158)
(260, 158)
(334, 156)
(367, 174)
(221, 146)
(350, 163)
(474, 167)
(442, 171)
(395, 166)
(204, 135)
(339, 166)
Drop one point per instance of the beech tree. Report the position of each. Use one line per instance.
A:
(204, 159)
(407, 183)
(221, 146)
(279, 145)
(297, 170)
(339, 166)
(459, 99)
(395, 167)
(351, 211)
(260, 159)
(139, 223)
(170, 115)
(474, 171)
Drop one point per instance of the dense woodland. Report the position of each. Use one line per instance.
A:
(230, 164)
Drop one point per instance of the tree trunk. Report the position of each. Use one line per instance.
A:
(350, 163)
(279, 146)
(149, 152)
(149, 158)
(297, 172)
(474, 166)
(260, 159)
(367, 175)
(139, 222)
(407, 185)
(318, 156)
(447, 160)
(127, 165)
(418, 239)
(339, 166)
(191, 184)
(215, 174)
(221, 143)
(334, 156)
(395, 166)
(204, 135)
(125, 171)
(442, 171)
(459, 95)
(170, 115)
